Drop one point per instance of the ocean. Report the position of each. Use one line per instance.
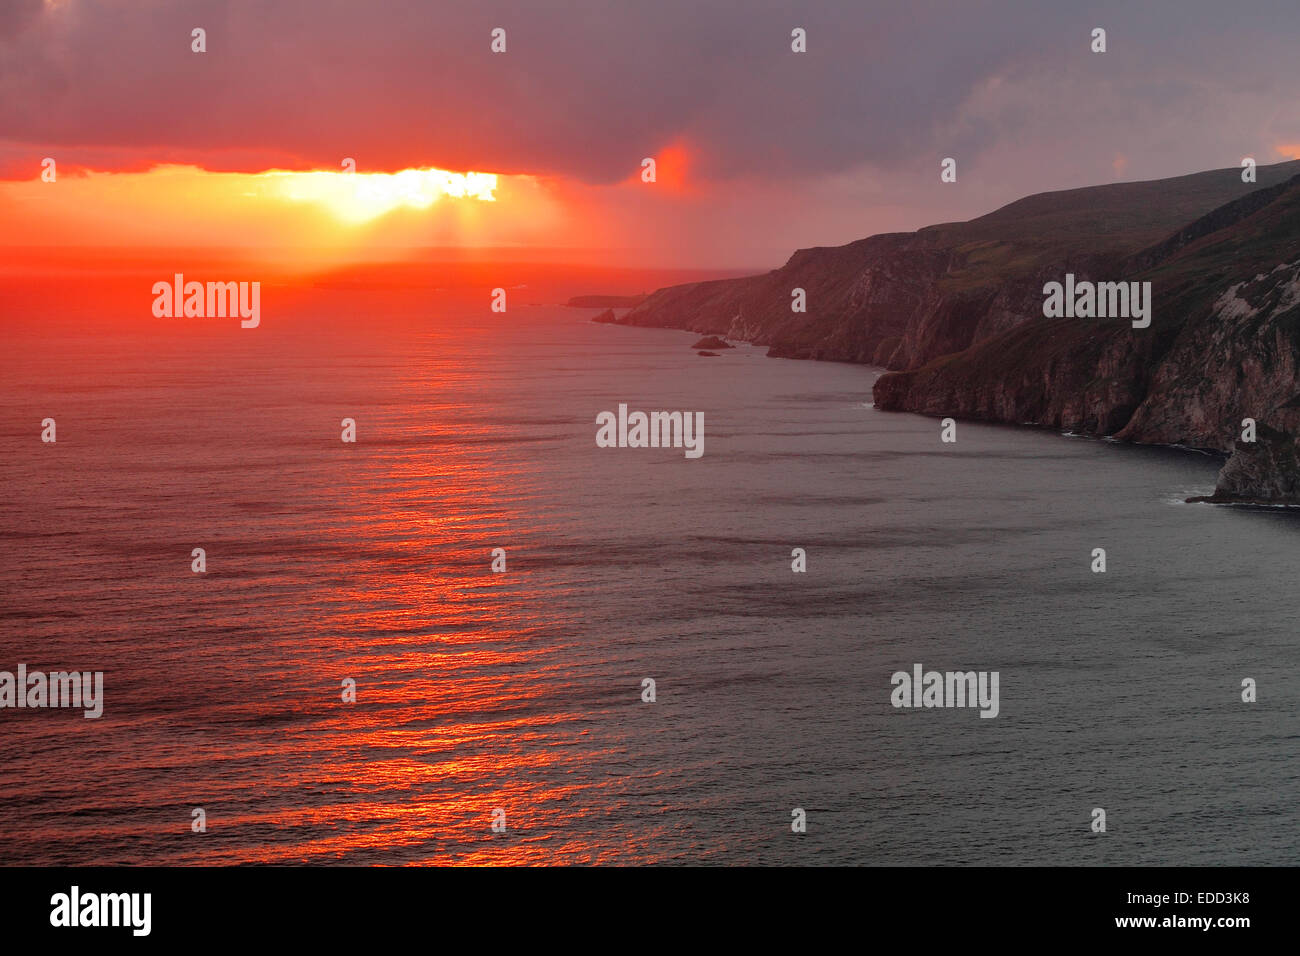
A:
(522, 691)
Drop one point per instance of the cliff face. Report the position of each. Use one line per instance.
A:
(1223, 347)
(1239, 361)
(903, 299)
(1078, 375)
(956, 311)
(1265, 471)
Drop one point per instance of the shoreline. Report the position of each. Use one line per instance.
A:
(1222, 457)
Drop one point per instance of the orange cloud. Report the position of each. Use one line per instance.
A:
(672, 169)
(1289, 150)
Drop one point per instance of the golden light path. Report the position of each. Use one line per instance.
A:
(356, 197)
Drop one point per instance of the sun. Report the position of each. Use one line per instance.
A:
(358, 197)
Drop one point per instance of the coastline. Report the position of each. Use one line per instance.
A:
(955, 315)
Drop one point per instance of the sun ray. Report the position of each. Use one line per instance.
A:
(358, 197)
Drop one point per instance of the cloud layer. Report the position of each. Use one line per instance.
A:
(588, 87)
(781, 149)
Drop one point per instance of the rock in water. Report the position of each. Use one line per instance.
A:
(607, 316)
(712, 342)
(1263, 472)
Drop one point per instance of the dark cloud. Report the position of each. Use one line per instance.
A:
(587, 87)
(17, 15)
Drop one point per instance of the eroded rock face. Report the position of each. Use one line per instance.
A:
(1073, 376)
(1265, 314)
(1240, 362)
(1265, 471)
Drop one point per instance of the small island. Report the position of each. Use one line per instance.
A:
(712, 342)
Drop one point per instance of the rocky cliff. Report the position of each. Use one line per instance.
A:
(956, 311)
(1223, 347)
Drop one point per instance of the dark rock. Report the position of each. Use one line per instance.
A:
(606, 316)
(712, 342)
(1265, 471)
(709, 354)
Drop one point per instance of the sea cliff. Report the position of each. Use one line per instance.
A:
(955, 312)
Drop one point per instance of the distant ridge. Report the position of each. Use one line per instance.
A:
(605, 301)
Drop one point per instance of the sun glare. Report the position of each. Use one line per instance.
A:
(356, 197)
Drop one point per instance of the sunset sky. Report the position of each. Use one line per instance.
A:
(760, 150)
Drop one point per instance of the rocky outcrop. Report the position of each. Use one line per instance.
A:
(1240, 360)
(606, 316)
(1265, 471)
(712, 342)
